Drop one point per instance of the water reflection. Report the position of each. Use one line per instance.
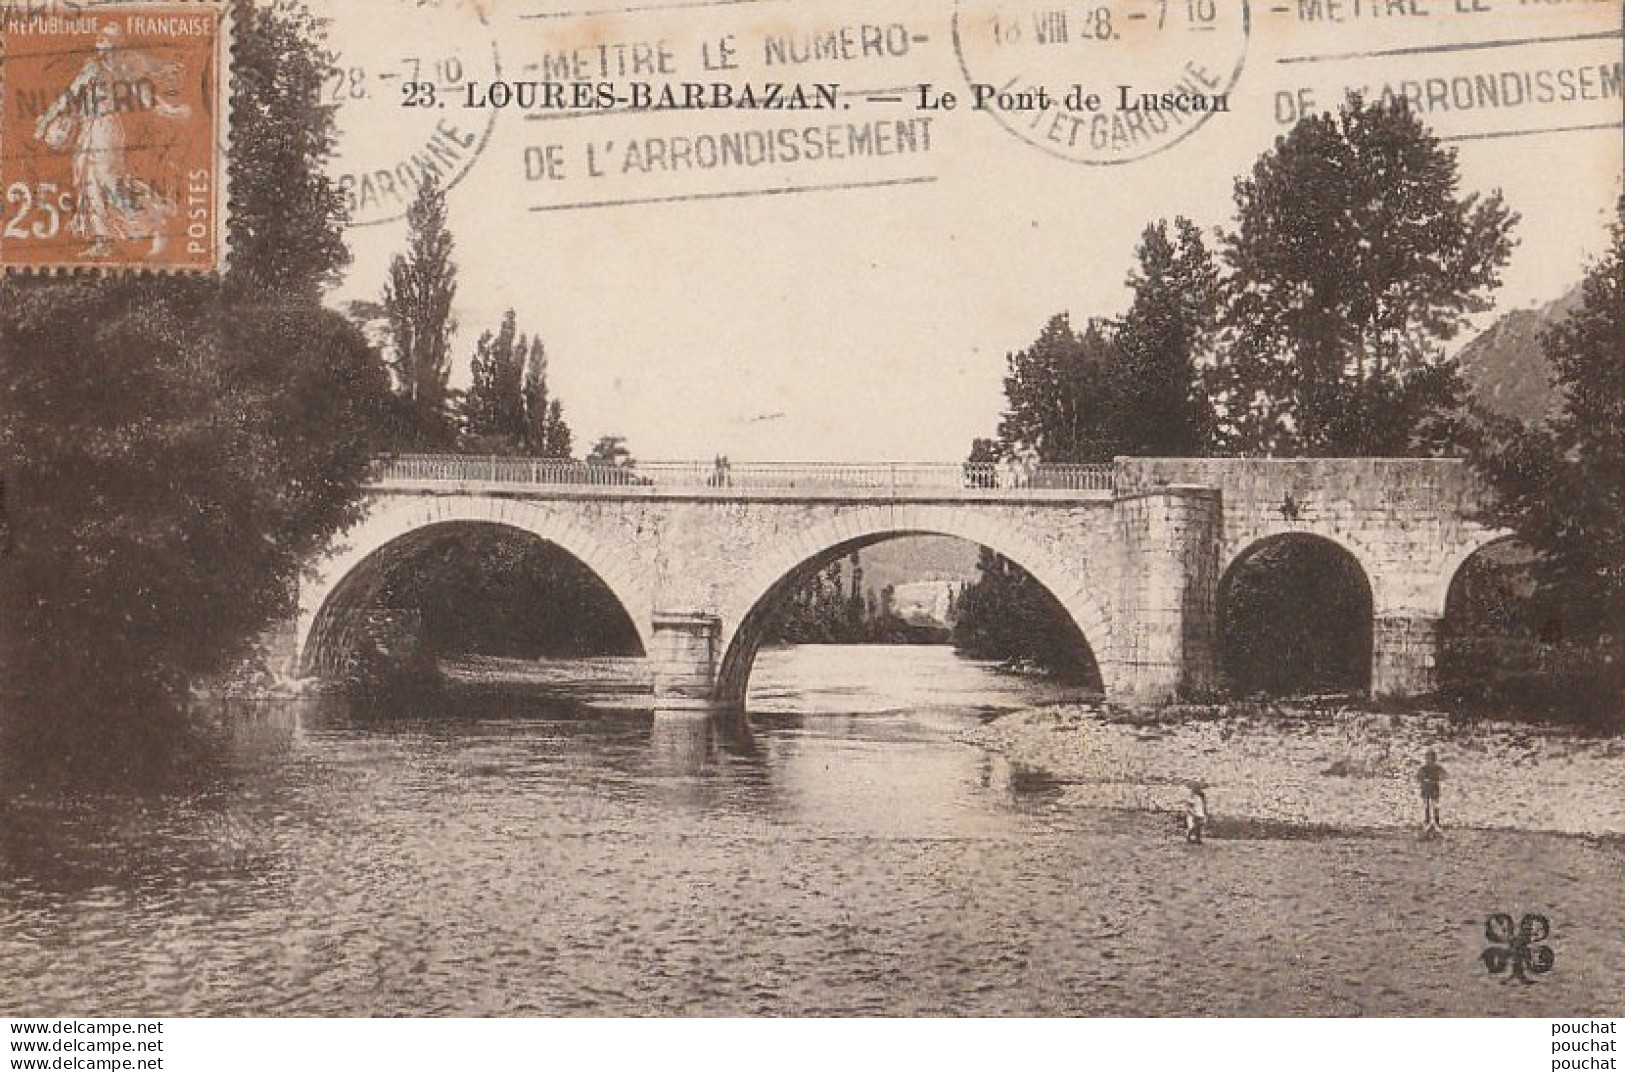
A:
(840, 855)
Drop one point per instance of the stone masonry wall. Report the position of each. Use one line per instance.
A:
(1408, 521)
(1169, 541)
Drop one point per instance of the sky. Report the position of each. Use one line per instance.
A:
(844, 285)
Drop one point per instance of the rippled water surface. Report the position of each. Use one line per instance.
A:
(843, 856)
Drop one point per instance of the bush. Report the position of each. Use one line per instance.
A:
(1576, 683)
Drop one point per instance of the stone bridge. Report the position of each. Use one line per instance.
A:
(699, 554)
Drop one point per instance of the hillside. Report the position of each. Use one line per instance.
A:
(918, 558)
(1504, 367)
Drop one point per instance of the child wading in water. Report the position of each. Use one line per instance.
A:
(1429, 776)
(1195, 814)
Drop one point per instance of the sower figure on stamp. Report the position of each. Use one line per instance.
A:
(111, 204)
(1429, 777)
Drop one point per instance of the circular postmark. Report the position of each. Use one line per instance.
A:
(1101, 83)
(400, 70)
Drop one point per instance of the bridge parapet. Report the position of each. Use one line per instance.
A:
(746, 480)
(1267, 482)
(1442, 482)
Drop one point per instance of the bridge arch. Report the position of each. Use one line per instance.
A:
(1265, 643)
(352, 574)
(1437, 596)
(1238, 551)
(746, 608)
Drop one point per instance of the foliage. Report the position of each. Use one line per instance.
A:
(1057, 409)
(1562, 487)
(981, 466)
(1156, 410)
(1580, 522)
(830, 606)
(814, 611)
(1503, 652)
(174, 449)
(388, 666)
(1580, 683)
(1009, 617)
(1056, 395)
(611, 450)
(417, 304)
(507, 409)
(283, 239)
(494, 406)
(1127, 388)
(491, 591)
(1355, 259)
(544, 434)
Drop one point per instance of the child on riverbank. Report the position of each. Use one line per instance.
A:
(1429, 778)
(1195, 814)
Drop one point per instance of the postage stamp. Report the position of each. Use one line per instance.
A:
(112, 136)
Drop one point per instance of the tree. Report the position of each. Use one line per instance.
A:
(611, 450)
(494, 406)
(175, 449)
(1056, 394)
(537, 435)
(981, 465)
(1166, 336)
(284, 241)
(818, 609)
(507, 409)
(546, 434)
(856, 606)
(1354, 260)
(1006, 615)
(417, 301)
(1562, 488)
(559, 438)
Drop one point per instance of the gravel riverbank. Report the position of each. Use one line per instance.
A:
(1341, 769)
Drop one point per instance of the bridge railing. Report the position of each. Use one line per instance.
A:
(750, 476)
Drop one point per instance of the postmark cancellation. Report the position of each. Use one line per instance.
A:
(113, 134)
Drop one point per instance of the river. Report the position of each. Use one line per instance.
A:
(846, 855)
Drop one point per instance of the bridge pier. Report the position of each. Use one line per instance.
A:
(1404, 655)
(1166, 640)
(684, 658)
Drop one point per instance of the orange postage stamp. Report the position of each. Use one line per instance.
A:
(112, 135)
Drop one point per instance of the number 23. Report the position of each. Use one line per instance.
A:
(418, 95)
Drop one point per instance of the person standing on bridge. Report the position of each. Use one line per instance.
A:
(721, 473)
